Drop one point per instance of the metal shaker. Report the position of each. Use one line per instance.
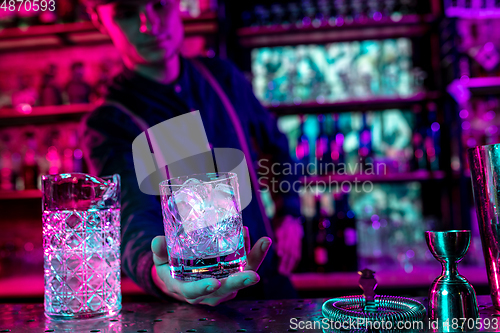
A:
(484, 163)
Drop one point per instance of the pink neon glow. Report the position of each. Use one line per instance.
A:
(25, 109)
(419, 153)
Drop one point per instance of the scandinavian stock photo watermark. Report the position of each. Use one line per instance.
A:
(179, 146)
(318, 177)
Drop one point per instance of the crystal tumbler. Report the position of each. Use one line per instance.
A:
(203, 226)
(81, 243)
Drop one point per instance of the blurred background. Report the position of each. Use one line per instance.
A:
(404, 84)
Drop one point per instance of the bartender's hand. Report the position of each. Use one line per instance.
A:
(207, 291)
(289, 244)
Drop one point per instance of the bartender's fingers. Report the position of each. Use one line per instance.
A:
(159, 248)
(185, 291)
(213, 301)
(246, 235)
(193, 290)
(258, 253)
(236, 282)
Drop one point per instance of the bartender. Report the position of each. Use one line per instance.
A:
(156, 84)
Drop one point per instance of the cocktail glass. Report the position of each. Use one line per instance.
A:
(203, 226)
(81, 243)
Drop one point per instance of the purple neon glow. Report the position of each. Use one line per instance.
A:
(376, 225)
(377, 16)
(465, 125)
(374, 217)
(471, 142)
(464, 114)
(410, 253)
(339, 138)
(435, 127)
(490, 115)
(78, 153)
(491, 130)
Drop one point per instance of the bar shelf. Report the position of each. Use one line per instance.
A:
(16, 195)
(64, 34)
(367, 104)
(473, 13)
(9, 116)
(406, 26)
(484, 85)
(421, 276)
(32, 285)
(419, 175)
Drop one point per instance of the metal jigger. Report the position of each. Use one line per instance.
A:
(451, 295)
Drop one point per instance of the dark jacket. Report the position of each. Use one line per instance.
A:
(109, 134)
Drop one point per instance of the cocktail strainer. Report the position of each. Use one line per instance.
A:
(369, 308)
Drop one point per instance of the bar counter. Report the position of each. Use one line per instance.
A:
(233, 316)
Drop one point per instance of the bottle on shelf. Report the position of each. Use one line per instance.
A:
(262, 15)
(77, 90)
(324, 11)
(365, 143)
(309, 12)
(336, 142)
(52, 156)
(345, 234)
(374, 9)
(302, 150)
(72, 160)
(100, 88)
(324, 258)
(389, 8)
(323, 154)
(308, 211)
(358, 10)
(30, 170)
(294, 14)
(341, 10)
(7, 177)
(50, 93)
(8, 19)
(26, 96)
(66, 10)
(419, 158)
(432, 144)
(6, 171)
(277, 13)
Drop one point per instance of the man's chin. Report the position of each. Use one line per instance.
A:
(157, 56)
